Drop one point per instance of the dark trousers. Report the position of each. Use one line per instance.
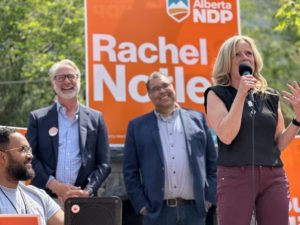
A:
(129, 217)
(186, 214)
(211, 216)
(242, 189)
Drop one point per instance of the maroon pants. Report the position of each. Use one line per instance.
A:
(240, 190)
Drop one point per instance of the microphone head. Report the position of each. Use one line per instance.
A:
(245, 69)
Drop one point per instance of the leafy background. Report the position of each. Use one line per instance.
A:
(36, 33)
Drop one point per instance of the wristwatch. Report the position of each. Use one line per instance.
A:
(89, 190)
(295, 122)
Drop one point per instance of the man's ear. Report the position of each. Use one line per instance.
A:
(149, 95)
(2, 157)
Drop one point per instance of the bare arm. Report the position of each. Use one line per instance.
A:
(57, 218)
(225, 124)
(285, 136)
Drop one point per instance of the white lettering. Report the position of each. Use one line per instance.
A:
(203, 51)
(128, 53)
(163, 48)
(98, 48)
(117, 89)
(133, 88)
(142, 53)
(211, 16)
(212, 12)
(226, 15)
(189, 54)
(294, 205)
(294, 220)
(193, 88)
(211, 5)
(163, 52)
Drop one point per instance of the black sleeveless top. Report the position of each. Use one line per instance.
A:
(240, 151)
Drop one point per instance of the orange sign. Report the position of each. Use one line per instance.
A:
(291, 160)
(22, 130)
(126, 40)
(13, 219)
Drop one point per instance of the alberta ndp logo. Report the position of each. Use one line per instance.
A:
(203, 11)
(178, 10)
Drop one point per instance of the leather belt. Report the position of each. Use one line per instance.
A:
(174, 202)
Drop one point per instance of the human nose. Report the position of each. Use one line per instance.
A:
(29, 155)
(67, 79)
(162, 89)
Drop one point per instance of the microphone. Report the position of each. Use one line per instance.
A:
(246, 69)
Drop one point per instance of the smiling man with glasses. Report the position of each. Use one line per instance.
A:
(61, 78)
(23, 149)
(69, 140)
(15, 166)
(169, 160)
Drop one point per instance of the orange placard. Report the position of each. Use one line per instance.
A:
(22, 130)
(291, 160)
(126, 40)
(12, 219)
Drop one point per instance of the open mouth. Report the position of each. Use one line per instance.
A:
(28, 164)
(68, 89)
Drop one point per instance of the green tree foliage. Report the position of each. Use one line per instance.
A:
(36, 33)
(288, 16)
(33, 35)
(281, 62)
(288, 25)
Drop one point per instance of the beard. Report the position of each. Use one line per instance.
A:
(69, 94)
(18, 171)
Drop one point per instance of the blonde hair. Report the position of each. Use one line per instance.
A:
(222, 66)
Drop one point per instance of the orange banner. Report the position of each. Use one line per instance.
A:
(126, 40)
(22, 130)
(291, 160)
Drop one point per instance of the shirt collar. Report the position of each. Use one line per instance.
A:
(174, 113)
(62, 109)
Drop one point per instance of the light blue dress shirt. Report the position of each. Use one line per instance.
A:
(69, 158)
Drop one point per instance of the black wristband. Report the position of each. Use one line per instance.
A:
(295, 122)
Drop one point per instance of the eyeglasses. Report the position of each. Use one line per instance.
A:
(62, 77)
(23, 149)
(158, 88)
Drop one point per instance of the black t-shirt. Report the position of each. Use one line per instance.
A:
(240, 151)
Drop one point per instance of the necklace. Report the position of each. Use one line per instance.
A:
(23, 199)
